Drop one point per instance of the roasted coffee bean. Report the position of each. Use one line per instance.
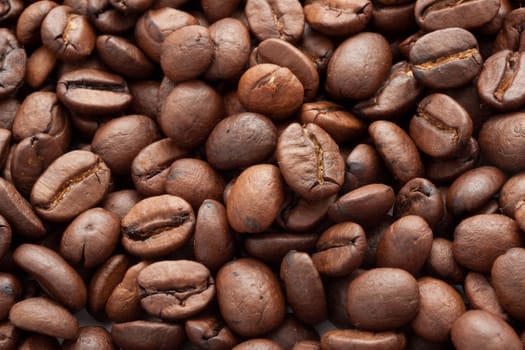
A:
(507, 282)
(9, 335)
(299, 215)
(441, 262)
(147, 335)
(263, 301)
(44, 316)
(480, 329)
(350, 338)
(74, 182)
(10, 291)
(8, 109)
(420, 197)
(481, 295)
(6, 236)
(28, 24)
(510, 36)
(68, 34)
(208, 332)
(215, 10)
(275, 19)
(39, 66)
(291, 331)
(39, 341)
(302, 284)
(103, 16)
(258, 344)
(395, 18)
(175, 290)
(317, 47)
(310, 161)
(91, 91)
(363, 166)
(440, 127)
(272, 247)
(132, 6)
(338, 18)
(349, 76)
(14, 60)
(90, 338)
(511, 193)
(120, 202)
(480, 239)
(446, 58)
(53, 273)
(145, 97)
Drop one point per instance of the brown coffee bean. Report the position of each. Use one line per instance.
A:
(147, 335)
(350, 338)
(40, 66)
(272, 247)
(90, 338)
(263, 302)
(9, 335)
(382, 299)
(275, 19)
(74, 182)
(14, 57)
(338, 18)
(145, 97)
(507, 281)
(480, 239)
(310, 161)
(175, 290)
(299, 215)
(90, 238)
(395, 18)
(303, 284)
(258, 344)
(374, 199)
(420, 197)
(255, 199)
(481, 295)
(270, 90)
(120, 202)
(209, 332)
(28, 24)
(478, 329)
(132, 6)
(44, 316)
(6, 236)
(157, 226)
(53, 273)
(510, 36)
(441, 262)
(349, 76)
(469, 192)
(363, 166)
(440, 305)
(214, 10)
(512, 191)
(40, 342)
(10, 291)
(292, 331)
(318, 47)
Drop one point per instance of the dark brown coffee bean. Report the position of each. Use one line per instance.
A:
(120, 202)
(258, 344)
(275, 19)
(469, 192)
(439, 14)
(74, 182)
(446, 58)
(349, 76)
(363, 166)
(420, 197)
(91, 91)
(28, 24)
(208, 332)
(512, 191)
(90, 238)
(318, 47)
(478, 329)
(190, 112)
(374, 199)
(6, 235)
(263, 301)
(68, 34)
(123, 57)
(338, 18)
(270, 90)
(139, 335)
(231, 40)
(382, 299)
(175, 290)
(150, 168)
(507, 281)
(14, 57)
(40, 66)
(340, 249)
(18, 212)
(272, 247)
(53, 273)
(500, 80)
(155, 25)
(44, 316)
(40, 342)
(440, 127)
(255, 199)
(303, 284)
(440, 305)
(343, 126)
(118, 141)
(123, 304)
(9, 335)
(292, 331)
(10, 291)
(397, 150)
(104, 280)
(157, 226)
(145, 97)
(90, 338)
(350, 338)
(284, 54)
(481, 295)
(496, 144)
(510, 37)
(186, 53)
(214, 243)
(480, 239)
(441, 262)
(241, 140)
(299, 215)
(310, 161)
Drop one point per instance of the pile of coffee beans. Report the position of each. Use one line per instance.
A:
(262, 174)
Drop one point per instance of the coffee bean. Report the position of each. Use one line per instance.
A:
(481, 295)
(291, 331)
(272, 247)
(447, 170)
(14, 57)
(363, 166)
(28, 24)
(39, 341)
(90, 337)
(210, 332)
(506, 280)
(338, 18)
(6, 236)
(275, 19)
(147, 335)
(40, 66)
(258, 344)
(318, 47)
(120, 202)
(145, 97)
(420, 197)
(441, 261)
(10, 292)
(132, 6)
(394, 18)
(215, 10)
(510, 35)
(299, 215)
(10, 335)
(103, 16)
(348, 338)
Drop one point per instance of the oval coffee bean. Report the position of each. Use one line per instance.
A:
(53, 273)
(371, 297)
(299, 215)
(481, 295)
(283, 19)
(11, 290)
(338, 18)
(30, 20)
(511, 193)
(356, 339)
(157, 226)
(507, 281)
(90, 337)
(120, 202)
(310, 161)
(272, 247)
(14, 57)
(147, 335)
(292, 331)
(74, 182)
(44, 316)
(420, 197)
(6, 236)
(209, 332)
(441, 262)
(253, 282)
(258, 344)
(175, 290)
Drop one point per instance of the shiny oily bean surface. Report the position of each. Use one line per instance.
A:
(272, 247)
(420, 197)
(338, 18)
(147, 335)
(351, 338)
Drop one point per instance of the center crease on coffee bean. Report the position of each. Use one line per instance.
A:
(82, 84)
(143, 233)
(439, 5)
(511, 68)
(436, 123)
(442, 60)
